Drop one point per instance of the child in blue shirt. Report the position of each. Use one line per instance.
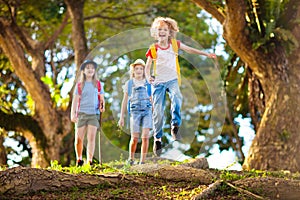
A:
(87, 104)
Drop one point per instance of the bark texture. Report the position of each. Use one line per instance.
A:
(276, 143)
(22, 180)
(47, 125)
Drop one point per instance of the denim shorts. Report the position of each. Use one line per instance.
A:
(140, 120)
(86, 119)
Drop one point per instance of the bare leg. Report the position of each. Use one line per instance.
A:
(91, 137)
(79, 136)
(145, 144)
(132, 147)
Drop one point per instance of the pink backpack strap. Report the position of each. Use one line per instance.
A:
(99, 90)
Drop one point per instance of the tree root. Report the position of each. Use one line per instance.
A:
(205, 193)
(241, 190)
(214, 186)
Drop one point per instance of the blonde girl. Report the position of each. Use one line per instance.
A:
(85, 111)
(136, 91)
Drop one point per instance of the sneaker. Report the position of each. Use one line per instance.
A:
(157, 148)
(91, 163)
(141, 163)
(130, 162)
(175, 133)
(79, 163)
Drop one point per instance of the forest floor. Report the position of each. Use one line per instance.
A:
(149, 181)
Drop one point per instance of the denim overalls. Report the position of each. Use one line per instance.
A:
(140, 109)
(139, 100)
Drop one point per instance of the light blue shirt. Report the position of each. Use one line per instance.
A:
(89, 98)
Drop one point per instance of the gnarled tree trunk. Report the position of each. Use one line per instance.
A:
(277, 142)
(48, 125)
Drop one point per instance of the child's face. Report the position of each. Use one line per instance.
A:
(163, 31)
(89, 70)
(138, 71)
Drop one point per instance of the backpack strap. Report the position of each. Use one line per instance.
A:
(175, 49)
(129, 87)
(99, 90)
(154, 56)
(148, 86)
(129, 92)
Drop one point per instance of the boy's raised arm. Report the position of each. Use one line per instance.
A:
(192, 50)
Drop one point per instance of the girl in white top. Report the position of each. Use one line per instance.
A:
(140, 109)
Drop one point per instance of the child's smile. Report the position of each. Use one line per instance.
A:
(138, 71)
(89, 70)
(163, 32)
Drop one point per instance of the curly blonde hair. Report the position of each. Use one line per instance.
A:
(171, 23)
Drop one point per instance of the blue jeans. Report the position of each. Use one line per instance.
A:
(159, 101)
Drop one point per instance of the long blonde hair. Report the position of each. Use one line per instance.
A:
(171, 23)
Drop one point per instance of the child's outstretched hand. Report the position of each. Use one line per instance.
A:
(212, 55)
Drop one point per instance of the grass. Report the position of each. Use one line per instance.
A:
(141, 186)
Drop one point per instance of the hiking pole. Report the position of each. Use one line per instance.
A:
(100, 124)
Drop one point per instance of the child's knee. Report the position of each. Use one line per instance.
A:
(78, 141)
(134, 140)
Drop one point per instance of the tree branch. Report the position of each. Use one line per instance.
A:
(22, 123)
(117, 18)
(57, 32)
(237, 36)
(215, 9)
(37, 90)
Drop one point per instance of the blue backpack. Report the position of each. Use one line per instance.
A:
(129, 91)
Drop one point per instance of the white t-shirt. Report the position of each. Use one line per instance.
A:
(165, 63)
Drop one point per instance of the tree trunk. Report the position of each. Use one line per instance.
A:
(2, 150)
(52, 123)
(75, 10)
(276, 145)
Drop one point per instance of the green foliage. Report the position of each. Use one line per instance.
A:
(55, 90)
(41, 18)
(266, 29)
(55, 166)
(228, 176)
